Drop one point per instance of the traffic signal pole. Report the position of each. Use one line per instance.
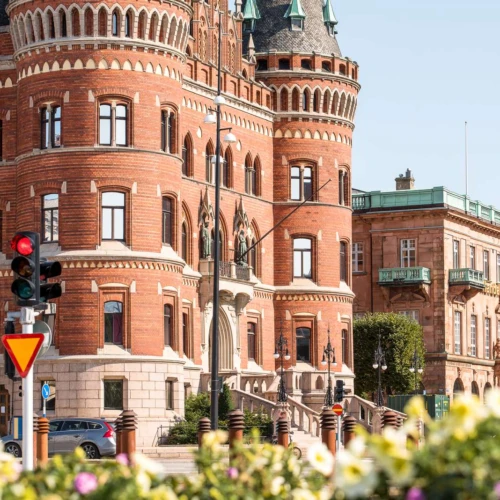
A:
(27, 322)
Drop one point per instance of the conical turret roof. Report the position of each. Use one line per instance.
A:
(272, 32)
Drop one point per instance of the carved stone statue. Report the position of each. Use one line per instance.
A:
(496, 349)
(242, 248)
(206, 243)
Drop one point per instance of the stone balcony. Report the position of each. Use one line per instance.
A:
(401, 276)
(468, 277)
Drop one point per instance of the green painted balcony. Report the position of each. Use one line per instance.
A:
(467, 277)
(400, 276)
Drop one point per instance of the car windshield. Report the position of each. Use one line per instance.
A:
(54, 426)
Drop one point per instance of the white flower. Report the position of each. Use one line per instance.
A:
(302, 494)
(354, 476)
(148, 465)
(276, 485)
(320, 458)
(492, 401)
(143, 481)
(357, 446)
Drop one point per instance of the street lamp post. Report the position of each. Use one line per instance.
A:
(380, 364)
(329, 358)
(211, 119)
(281, 352)
(416, 367)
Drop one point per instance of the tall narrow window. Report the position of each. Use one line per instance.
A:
(50, 127)
(306, 97)
(121, 125)
(113, 394)
(472, 257)
(302, 258)
(186, 344)
(341, 187)
(308, 183)
(62, 23)
(169, 394)
(456, 254)
(128, 24)
(50, 218)
(343, 261)
(486, 264)
(473, 323)
(345, 347)
(358, 265)
(167, 131)
(248, 174)
(167, 324)
(2, 154)
(113, 125)
(295, 99)
(221, 245)
(458, 332)
(184, 242)
(408, 253)
(252, 256)
(113, 323)
(55, 136)
(487, 338)
(284, 100)
(113, 216)
(105, 124)
(303, 338)
(295, 183)
(44, 128)
(251, 341)
(115, 26)
(227, 168)
(209, 153)
(167, 221)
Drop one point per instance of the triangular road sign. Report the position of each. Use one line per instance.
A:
(23, 349)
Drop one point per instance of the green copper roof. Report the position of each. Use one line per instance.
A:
(328, 14)
(295, 10)
(251, 11)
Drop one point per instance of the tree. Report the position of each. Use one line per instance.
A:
(225, 402)
(399, 338)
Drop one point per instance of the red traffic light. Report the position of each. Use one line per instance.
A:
(22, 244)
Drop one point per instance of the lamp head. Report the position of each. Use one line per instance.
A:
(210, 119)
(219, 100)
(412, 369)
(384, 367)
(420, 370)
(230, 138)
(276, 355)
(375, 365)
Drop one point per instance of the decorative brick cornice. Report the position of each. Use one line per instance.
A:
(122, 264)
(190, 282)
(260, 294)
(48, 95)
(313, 297)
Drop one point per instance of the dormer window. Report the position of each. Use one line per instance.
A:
(262, 65)
(248, 25)
(306, 64)
(326, 66)
(284, 64)
(296, 24)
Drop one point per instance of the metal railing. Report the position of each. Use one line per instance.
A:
(234, 271)
(225, 269)
(402, 275)
(466, 276)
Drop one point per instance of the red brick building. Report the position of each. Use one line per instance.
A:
(104, 151)
(434, 256)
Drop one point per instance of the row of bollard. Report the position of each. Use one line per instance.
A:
(40, 440)
(328, 422)
(125, 430)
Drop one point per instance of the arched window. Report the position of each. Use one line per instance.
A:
(227, 168)
(102, 22)
(115, 24)
(89, 22)
(475, 388)
(252, 255)
(113, 216)
(128, 24)
(344, 190)
(209, 153)
(113, 323)
(345, 347)
(316, 100)
(284, 100)
(168, 131)
(50, 21)
(39, 22)
(167, 324)
(303, 338)
(306, 99)
(326, 100)
(343, 261)
(255, 177)
(142, 25)
(167, 228)
(458, 387)
(75, 22)
(221, 245)
(335, 103)
(275, 101)
(187, 156)
(153, 25)
(302, 258)
(295, 99)
(173, 29)
(184, 242)
(251, 340)
(50, 218)
(62, 23)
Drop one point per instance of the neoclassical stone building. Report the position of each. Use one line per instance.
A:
(104, 151)
(434, 256)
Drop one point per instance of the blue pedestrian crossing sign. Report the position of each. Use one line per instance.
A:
(45, 391)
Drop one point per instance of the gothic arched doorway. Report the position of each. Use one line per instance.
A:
(225, 343)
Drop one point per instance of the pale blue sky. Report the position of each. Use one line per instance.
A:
(426, 66)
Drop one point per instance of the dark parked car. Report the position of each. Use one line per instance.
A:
(95, 436)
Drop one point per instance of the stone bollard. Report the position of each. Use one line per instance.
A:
(43, 441)
(203, 428)
(35, 439)
(283, 432)
(348, 425)
(391, 419)
(129, 426)
(236, 426)
(119, 435)
(329, 429)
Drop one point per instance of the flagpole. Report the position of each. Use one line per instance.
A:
(466, 171)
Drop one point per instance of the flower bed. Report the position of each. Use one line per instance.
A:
(459, 460)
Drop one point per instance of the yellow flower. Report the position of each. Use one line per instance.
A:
(320, 458)
(355, 477)
(276, 485)
(214, 439)
(302, 494)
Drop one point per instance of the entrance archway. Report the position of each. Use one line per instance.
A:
(225, 343)
(458, 387)
(475, 389)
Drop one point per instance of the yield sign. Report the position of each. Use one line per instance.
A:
(23, 349)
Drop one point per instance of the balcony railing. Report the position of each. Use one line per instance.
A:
(404, 275)
(234, 271)
(467, 276)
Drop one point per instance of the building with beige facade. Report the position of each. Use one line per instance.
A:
(433, 255)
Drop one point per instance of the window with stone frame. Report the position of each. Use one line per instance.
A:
(473, 335)
(358, 264)
(472, 257)
(344, 183)
(169, 130)
(187, 156)
(187, 338)
(486, 264)
(252, 341)
(50, 126)
(301, 183)
(408, 252)
(487, 338)
(114, 123)
(50, 218)
(168, 318)
(456, 254)
(113, 322)
(113, 394)
(169, 394)
(168, 221)
(345, 346)
(457, 327)
(113, 216)
(344, 266)
(302, 258)
(303, 344)
(209, 164)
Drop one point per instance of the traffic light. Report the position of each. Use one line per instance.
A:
(339, 391)
(26, 286)
(10, 369)
(49, 291)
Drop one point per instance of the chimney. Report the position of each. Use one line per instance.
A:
(405, 181)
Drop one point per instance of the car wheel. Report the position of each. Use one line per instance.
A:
(91, 451)
(13, 449)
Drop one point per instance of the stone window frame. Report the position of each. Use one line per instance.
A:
(42, 221)
(302, 165)
(407, 258)
(357, 250)
(188, 156)
(487, 347)
(301, 321)
(174, 381)
(473, 336)
(114, 102)
(255, 319)
(108, 412)
(126, 215)
(50, 105)
(187, 312)
(169, 298)
(457, 332)
(314, 245)
(344, 186)
(345, 262)
(115, 293)
(169, 128)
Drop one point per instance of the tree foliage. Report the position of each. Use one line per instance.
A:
(400, 336)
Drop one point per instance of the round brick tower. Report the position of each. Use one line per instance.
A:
(296, 53)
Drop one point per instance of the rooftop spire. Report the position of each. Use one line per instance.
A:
(295, 10)
(251, 11)
(328, 14)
